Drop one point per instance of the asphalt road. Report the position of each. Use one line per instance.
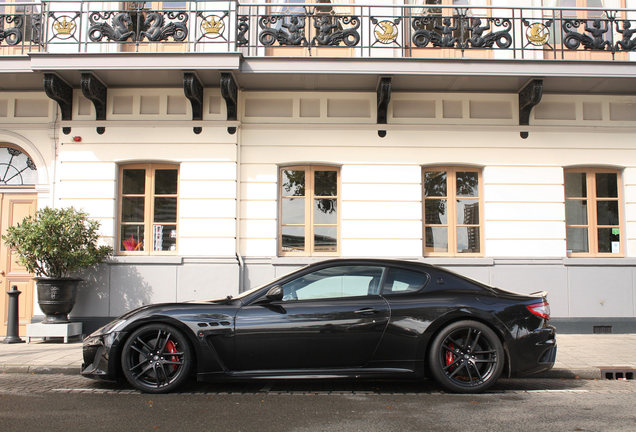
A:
(73, 403)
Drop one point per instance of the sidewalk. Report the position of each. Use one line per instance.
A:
(579, 356)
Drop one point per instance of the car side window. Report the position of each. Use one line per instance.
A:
(335, 282)
(401, 281)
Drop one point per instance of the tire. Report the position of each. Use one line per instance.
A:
(156, 358)
(466, 357)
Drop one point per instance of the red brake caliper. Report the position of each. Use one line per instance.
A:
(449, 357)
(170, 346)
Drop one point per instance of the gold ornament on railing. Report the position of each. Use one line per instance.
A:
(63, 27)
(212, 26)
(538, 34)
(386, 32)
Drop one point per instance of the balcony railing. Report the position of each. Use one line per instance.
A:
(318, 29)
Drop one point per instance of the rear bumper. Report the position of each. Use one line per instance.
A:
(535, 352)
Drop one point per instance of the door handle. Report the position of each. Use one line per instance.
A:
(366, 311)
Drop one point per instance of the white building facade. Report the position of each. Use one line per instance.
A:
(258, 141)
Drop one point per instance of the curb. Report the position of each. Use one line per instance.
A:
(41, 370)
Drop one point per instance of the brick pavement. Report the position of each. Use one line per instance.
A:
(578, 355)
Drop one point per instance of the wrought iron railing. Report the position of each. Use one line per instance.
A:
(324, 29)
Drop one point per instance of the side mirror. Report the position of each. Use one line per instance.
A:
(275, 293)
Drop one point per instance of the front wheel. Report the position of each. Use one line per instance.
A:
(156, 358)
(466, 357)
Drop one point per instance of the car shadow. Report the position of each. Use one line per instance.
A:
(346, 386)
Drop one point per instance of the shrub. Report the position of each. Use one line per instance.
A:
(56, 242)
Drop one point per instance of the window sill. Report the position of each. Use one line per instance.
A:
(595, 261)
(146, 259)
(298, 260)
(458, 261)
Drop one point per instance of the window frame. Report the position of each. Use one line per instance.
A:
(592, 219)
(452, 225)
(149, 206)
(309, 214)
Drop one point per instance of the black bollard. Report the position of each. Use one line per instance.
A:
(12, 324)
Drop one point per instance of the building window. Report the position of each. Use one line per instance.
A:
(148, 209)
(593, 212)
(452, 211)
(309, 210)
(16, 167)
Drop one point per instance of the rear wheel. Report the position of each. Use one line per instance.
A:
(466, 357)
(156, 358)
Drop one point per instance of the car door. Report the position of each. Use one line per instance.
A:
(333, 317)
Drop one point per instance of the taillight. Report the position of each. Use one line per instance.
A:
(541, 309)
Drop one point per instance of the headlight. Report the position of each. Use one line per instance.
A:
(112, 326)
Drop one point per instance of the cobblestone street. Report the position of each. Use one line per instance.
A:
(70, 402)
(41, 383)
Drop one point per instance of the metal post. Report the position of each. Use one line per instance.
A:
(12, 324)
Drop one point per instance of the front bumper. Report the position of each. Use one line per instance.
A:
(100, 355)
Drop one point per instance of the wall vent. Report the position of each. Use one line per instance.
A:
(601, 329)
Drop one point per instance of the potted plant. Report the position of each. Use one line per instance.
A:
(53, 244)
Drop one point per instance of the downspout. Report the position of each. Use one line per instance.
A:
(239, 258)
(54, 147)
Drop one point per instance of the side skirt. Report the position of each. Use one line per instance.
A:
(308, 374)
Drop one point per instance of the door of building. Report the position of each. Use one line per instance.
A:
(14, 208)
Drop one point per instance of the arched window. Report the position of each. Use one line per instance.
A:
(16, 167)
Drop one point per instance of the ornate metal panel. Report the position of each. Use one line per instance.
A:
(151, 25)
(161, 25)
(284, 29)
(501, 37)
(11, 29)
(597, 30)
(112, 25)
(242, 27)
(460, 31)
(95, 91)
(332, 30)
(627, 42)
(62, 93)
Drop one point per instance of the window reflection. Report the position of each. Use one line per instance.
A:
(334, 282)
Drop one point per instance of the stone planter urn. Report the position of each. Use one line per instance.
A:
(56, 298)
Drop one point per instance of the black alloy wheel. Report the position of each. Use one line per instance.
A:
(466, 357)
(156, 358)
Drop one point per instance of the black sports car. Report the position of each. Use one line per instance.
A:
(337, 318)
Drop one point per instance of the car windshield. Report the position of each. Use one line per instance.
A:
(253, 290)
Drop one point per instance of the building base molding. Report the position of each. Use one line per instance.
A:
(600, 325)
